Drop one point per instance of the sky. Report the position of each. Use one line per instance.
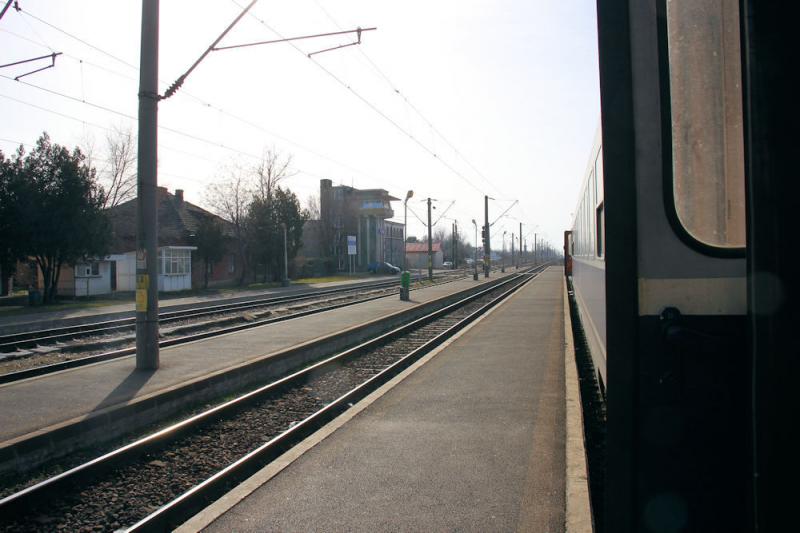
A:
(451, 99)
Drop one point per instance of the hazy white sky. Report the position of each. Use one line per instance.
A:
(511, 84)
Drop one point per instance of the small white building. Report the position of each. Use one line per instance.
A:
(174, 269)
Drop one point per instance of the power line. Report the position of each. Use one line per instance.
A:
(444, 212)
(417, 216)
(197, 99)
(368, 104)
(397, 91)
(166, 128)
(93, 47)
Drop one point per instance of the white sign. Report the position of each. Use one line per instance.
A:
(351, 245)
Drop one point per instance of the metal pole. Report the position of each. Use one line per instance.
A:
(285, 281)
(519, 255)
(475, 259)
(512, 250)
(430, 244)
(534, 249)
(146, 202)
(405, 222)
(487, 247)
(455, 255)
(503, 255)
(453, 243)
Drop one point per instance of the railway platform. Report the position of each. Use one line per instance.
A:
(89, 399)
(478, 435)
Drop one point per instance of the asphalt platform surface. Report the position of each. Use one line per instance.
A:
(473, 440)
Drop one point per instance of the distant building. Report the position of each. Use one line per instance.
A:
(417, 255)
(393, 243)
(361, 214)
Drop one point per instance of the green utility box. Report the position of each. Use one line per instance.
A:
(405, 286)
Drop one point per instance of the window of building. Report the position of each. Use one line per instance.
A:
(172, 261)
(86, 270)
(232, 264)
(707, 165)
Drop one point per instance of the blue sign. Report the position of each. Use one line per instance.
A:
(351, 245)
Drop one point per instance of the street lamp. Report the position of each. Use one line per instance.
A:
(409, 194)
(503, 258)
(475, 260)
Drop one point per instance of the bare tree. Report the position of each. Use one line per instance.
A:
(270, 171)
(231, 199)
(312, 207)
(118, 174)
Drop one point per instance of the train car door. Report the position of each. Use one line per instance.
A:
(698, 198)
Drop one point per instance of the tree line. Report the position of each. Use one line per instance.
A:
(54, 201)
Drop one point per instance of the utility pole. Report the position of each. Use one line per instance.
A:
(455, 249)
(430, 243)
(534, 249)
(409, 194)
(519, 255)
(487, 247)
(146, 201)
(512, 250)
(503, 254)
(453, 242)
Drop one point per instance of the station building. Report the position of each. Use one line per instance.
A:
(363, 214)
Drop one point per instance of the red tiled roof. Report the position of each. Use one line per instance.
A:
(422, 247)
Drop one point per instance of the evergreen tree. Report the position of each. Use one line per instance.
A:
(54, 210)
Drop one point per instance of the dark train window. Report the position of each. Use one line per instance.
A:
(600, 223)
(705, 99)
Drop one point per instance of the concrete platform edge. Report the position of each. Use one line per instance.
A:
(578, 515)
(217, 509)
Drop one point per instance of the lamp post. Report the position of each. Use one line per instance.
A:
(409, 194)
(475, 260)
(503, 258)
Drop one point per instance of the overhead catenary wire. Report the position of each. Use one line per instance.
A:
(416, 110)
(417, 216)
(195, 98)
(443, 213)
(368, 103)
(327, 71)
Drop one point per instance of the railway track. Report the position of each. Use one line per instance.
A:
(189, 325)
(160, 480)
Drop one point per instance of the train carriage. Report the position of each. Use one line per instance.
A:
(681, 268)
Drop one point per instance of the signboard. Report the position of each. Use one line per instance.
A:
(351, 245)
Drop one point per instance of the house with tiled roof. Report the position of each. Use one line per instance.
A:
(178, 267)
(417, 255)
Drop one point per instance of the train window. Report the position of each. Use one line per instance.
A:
(705, 99)
(598, 175)
(599, 230)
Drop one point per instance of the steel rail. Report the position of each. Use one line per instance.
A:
(11, 377)
(16, 339)
(181, 508)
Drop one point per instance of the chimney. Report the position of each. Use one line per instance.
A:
(179, 196)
